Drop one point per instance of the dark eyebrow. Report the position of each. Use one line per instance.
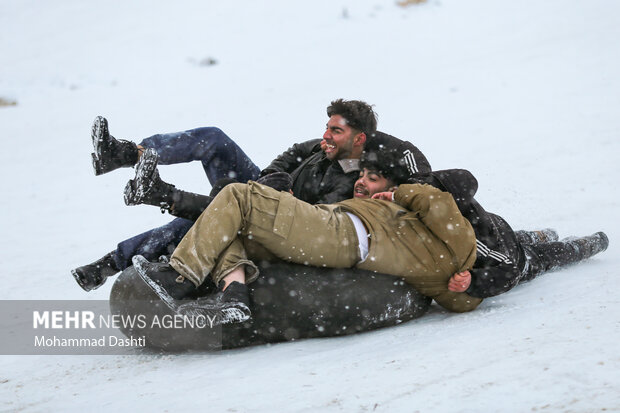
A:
(334, 127)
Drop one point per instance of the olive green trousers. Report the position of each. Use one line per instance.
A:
(252, 221)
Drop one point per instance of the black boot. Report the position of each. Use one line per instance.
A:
(228, 306)
(223, 307)
(536, 237)
(547, 256)
(586, 247)
(148, 188)
(164, 280)
(110, 153)
(92, 276)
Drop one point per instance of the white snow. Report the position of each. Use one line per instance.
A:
(525, 94)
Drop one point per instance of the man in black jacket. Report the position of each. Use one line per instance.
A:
(505, 257)
(322, 171)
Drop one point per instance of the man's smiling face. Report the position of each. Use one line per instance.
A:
(339, 138)
(370, 183)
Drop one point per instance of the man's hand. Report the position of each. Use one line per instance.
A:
(386, 196)
(459, 282)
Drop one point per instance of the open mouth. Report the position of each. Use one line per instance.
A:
(328, 147)
(360, 192)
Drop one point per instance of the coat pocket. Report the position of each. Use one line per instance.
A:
(285, 214)
(273, 213)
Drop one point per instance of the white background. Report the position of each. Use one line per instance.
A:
(524, 94)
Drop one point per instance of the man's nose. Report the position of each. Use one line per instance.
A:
(327, 134)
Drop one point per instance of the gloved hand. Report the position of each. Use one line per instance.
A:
(277, 180)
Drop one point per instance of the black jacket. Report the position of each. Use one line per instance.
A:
(500, 258)
(317, 180)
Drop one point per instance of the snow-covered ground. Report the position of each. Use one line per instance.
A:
(525, 94)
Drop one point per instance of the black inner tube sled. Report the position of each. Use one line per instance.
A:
(288, 302)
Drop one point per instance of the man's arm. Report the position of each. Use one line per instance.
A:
(436, 208)
(293, 157)
(439, 212)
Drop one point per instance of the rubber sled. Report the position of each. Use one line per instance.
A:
(289, 302)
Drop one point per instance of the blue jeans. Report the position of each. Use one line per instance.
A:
(220, 156)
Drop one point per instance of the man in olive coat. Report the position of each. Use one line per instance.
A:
(418, 234)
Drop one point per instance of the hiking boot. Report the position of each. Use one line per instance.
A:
(228, 306)
(223, 307)
(110, 153)
(164, 280)
(536, 237)
(147, 187)
(586, 247)
(280, 181)
(92, 276)
(547, 235)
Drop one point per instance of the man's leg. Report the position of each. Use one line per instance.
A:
(291, 229)
(220, 156)
(148, 188)
(151, 244)
(537, 237)
(541, 257)
(544, 257)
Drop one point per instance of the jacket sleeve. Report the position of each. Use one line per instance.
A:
(414, 158)
(439, 212)
(489, 282)
(292, 157)
(437, 209)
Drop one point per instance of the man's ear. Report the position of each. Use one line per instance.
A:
(360, 139)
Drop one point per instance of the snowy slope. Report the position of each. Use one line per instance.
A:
(524, 94)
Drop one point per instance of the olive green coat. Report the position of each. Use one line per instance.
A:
(421, 237)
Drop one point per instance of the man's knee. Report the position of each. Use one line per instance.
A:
(237, 193)
(237, 190)
(214, 135)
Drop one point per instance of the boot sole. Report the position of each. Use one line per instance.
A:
(604, 240)
(139, 264)
(82, 282)
(99, 134)
(139, 187)
(217, 313)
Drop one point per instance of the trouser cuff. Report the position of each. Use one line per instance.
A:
(186, 272)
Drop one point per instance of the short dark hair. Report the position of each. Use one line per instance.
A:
(359, 115)
(389, 163)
